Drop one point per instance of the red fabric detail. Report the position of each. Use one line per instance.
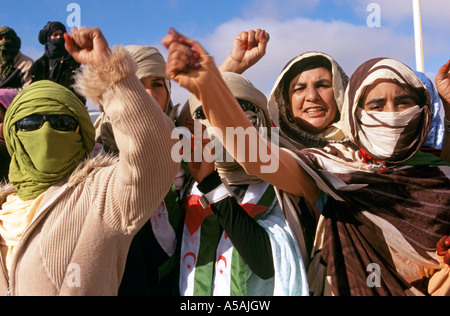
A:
(196, 214)
(368, 159)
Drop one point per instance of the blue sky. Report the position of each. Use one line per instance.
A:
(122, 21)
(337, 27)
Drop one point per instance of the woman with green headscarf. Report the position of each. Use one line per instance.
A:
(67, 220)
(14, 66)
(45, 156)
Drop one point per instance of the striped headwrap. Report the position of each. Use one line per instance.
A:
(365, 76)
(378, 230)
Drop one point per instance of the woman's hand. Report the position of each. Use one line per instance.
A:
(443, 249)
(443, 86)
(248, 48)
(87, 46)
(188, 63)
(200, 170)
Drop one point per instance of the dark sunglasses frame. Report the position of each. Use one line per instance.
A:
(245, 105)
(63, 123)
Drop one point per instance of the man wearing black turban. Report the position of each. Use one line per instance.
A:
(56, 64)
(14, 66)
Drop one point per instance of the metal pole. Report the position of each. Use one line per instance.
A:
(418, 36)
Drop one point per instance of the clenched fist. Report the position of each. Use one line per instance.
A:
(87, 46)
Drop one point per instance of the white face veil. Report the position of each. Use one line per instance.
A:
(385, 132)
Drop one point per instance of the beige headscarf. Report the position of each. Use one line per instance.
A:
(150, 64)
(242, 89)
(291, 135)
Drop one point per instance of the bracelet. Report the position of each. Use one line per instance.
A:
(447, 125)
(218, 194)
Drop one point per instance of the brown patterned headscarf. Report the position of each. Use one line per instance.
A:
(413, 133)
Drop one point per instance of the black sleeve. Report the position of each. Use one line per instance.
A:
(250, 240)
(5, 160)
(38, 70)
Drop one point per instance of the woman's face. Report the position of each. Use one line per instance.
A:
(156, 87)
(313, 103)
(387, 96)
(57, 34)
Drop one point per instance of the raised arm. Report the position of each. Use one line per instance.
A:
(191, 66)
(137, 184)
(443, 87)
(248, 48)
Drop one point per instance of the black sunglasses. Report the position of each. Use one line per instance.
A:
(245, 105)
(64, 123)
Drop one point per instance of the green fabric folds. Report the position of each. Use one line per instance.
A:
(42, 158)
(425, 159)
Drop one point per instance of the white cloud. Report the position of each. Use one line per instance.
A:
(279, 9)
(293, 33)
(350, 45)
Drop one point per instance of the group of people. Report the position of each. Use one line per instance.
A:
(359, 204)
(18, 71)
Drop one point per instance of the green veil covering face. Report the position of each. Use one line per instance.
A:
(42, 158)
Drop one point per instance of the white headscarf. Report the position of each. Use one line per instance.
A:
(151, 64)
